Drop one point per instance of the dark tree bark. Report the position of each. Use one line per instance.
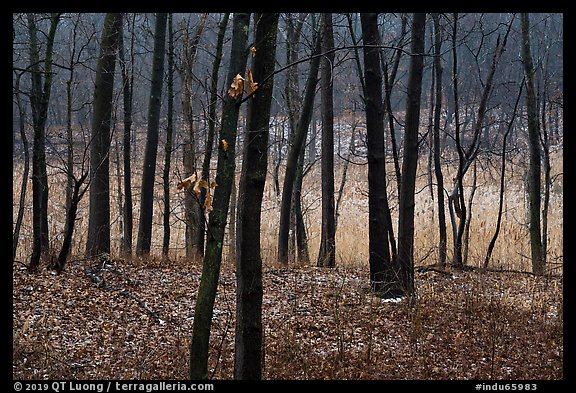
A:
(327, 252)
(381, 270)
(151, 150)
(211, 122)
(127, 90)
(534, 170)
(39, 99)
(193, 209)
(169, 136)
(98, 240)
(410, 158)
(248, 355)
(226, 166)
(436, 141)
(297, 145)
(24, 186)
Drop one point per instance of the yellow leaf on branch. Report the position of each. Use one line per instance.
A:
(224, 144)
(253, 51)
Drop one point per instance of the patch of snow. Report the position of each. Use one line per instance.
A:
(393, 299)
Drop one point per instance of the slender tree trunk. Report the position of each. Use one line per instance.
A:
(193, 209)
(466, 158)
(381, 270)
(301, 237)
(39, 99)
(327, 252)
(534, 170)
(127, 87)
(466, 238)
(545, 140)
(226, 166)
(502, 181)
(71, 213)
(212, 121)
(303, 124)
(24, 186)
(410, 158)
(389, 79)
(249, 332)
(168, 145)
(98, 240)
(151, 150)
(436, 140)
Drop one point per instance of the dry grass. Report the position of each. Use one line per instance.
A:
(511, 251)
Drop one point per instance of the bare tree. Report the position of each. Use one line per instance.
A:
(169, 137)
(381, 270)
(534, 170)
(302, 125)
(39, 100)
(327, 252)
(204, 308)
(128, 94)
(193, 210)
(98, 240)
(212, 121)
(410, 158)
(249, 331)
(436, 139)
(151, 151)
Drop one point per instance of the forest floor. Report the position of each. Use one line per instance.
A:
(133, 320)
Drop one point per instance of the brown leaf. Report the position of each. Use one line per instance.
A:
(224, 144)
(237, 87)
(252, 86)
(208, 203)
(187, 183)
(199, 185)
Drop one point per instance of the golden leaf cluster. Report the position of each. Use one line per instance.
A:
(196, 185)
(239, 84)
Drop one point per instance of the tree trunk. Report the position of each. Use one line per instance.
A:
(127, 87)
(71, 212)
(226, 166)
(502, 178)
(98, 240)
(436, 141)
(534, 171)
(193, 209)
(168, 145)
(24, 186)
(467, 157)
(299, 134)
(151, 150)
(211, 122)
(381, 271)
(39, 99)
(327, 252)
(248, 355)
(410, 158)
